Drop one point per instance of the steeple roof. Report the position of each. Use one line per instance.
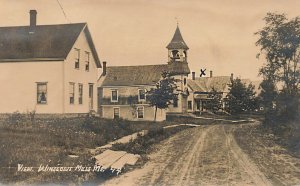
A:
(177, 41)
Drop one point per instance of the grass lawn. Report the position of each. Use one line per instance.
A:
(51, 141)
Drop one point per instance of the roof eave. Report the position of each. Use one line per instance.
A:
(91, 44)
(169, 46)
(32, 59)
(93, 48)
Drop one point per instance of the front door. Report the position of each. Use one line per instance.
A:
(91, 96)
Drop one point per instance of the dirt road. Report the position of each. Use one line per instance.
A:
(204, 155)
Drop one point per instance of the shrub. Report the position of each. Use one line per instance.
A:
(16, 118)
(142, 144)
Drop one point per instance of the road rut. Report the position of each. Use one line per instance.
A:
(204, 155)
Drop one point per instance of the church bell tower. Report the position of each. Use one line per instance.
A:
(177, 48)
(179, 69)
(178, 55)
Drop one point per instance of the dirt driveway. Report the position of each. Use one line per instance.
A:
(204, 155)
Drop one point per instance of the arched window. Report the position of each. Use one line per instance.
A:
(175, 54)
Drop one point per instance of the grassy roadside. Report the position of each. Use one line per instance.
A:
(212, 119)
(142, 145)
(51, 141)
(269, 151)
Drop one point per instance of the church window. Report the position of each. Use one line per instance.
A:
(175, 54)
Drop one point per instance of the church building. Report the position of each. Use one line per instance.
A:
(122, 89)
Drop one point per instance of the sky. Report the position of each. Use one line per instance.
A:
(219, 33)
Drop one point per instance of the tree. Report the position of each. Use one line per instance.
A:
(279, 42)
(164, 93)
(250, 99)
(267, 97)
(214, 104)
(241, 97)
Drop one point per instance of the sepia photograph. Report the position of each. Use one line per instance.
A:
(150, 92)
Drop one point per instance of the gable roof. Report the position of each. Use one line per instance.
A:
(133, 75)
(47, 42)
(205, 84)
(177, 41)
(220, 83)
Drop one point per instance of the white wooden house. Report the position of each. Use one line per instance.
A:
(48, 68)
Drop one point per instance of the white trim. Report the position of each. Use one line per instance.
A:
(114, 112)
(74, 89)
(37, 85)
(111, 100)
(137, 113)
(32, 59)
(78, 52)
(140, 100)
(87, 61)
(79, 93)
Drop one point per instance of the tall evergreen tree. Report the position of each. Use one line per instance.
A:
(214, 104)
(164, 93)
(240, 98)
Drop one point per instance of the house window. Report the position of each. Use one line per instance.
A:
(42, 93)
(116, 113)
(175, 102)
(198, 104)
(142, 95)
(184, 81)
(87, 61)
(91, 96)
(80, 93)
(77, 57)
(72, 92)
(114, 96)
(140, 112)
(190, 105)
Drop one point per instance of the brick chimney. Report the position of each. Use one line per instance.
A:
(211, 73)
(32, 20)
(104, 68)
(193, 75)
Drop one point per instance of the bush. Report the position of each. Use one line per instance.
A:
(142, 144)
(16, 118)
